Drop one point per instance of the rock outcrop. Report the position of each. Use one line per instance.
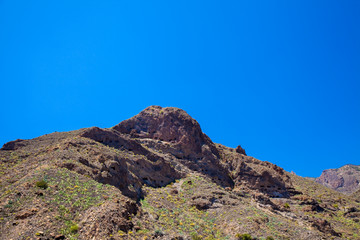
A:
(181, 136)
(345, 179)
(240, 150)
(250, 174)
(13, 145)
(171, 125)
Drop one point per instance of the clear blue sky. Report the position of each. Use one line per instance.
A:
(281, 78)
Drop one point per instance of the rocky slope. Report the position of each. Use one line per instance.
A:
(157, 175)
(345, 179)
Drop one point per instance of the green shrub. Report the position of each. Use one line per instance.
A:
(9, 204)
(42, 184)
(269, 238)
(195, 236)
(74, 228)
(158, 233)
(336, 205)
(286, 205)
(244, 236)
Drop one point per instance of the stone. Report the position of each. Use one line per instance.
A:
(59, 237)
(240, 150)
(345, 179)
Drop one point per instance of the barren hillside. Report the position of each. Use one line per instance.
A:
(158, 176)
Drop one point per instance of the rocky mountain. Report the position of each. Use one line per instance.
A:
(345, 179)
(158, 176)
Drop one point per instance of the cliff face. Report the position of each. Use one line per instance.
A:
(181, 139)
(345, 179)
(171, 125)
(157, 175)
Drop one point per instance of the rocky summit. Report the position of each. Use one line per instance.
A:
(345, 179)
(158, 176)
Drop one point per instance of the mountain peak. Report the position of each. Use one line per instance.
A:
(345, 179)
(168, 124)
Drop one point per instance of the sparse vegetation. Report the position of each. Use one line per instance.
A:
(195, 236)
(42, 184)
(244, 236)
(62, 186)
(74, 228)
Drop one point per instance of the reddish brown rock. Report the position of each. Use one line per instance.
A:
(101, 221)
(265, 201)
(240, 150)
(250, 174)
(24, 214)
(345, 179)
(13, 145)
(323, 226)
(174, 132)
(171, 125)
(134, 167)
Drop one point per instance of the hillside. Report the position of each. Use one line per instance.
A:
(345, 179)
(158, 176)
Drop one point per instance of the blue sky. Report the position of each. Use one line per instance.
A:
(281, 78)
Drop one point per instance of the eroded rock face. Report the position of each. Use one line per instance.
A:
(101, 221)
(158, 146)
(345, 179)
(168, 124)
(265, 201)
(250, 174)
(13, 145)
(136, 167)
(117, 140)
(323, 226)
(270, 179)
(175, 133)
(180, 135)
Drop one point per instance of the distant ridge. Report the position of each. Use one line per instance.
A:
(345, 179)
